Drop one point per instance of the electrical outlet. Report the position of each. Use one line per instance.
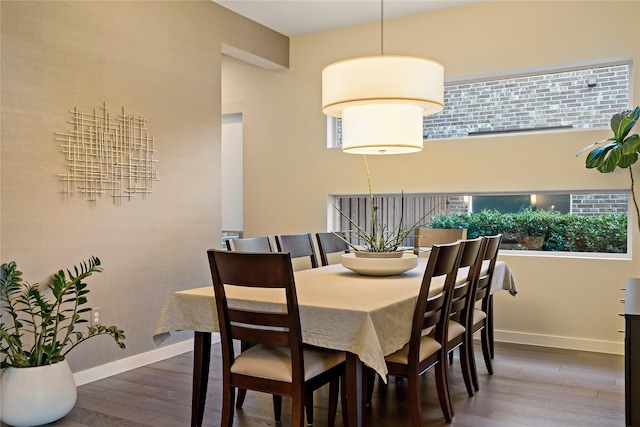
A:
(95, 316)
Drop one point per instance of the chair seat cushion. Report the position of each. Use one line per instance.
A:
(455, 329)
(274, 363)
(478, 316)
(428, 346)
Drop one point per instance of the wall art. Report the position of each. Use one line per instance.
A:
(108, 155)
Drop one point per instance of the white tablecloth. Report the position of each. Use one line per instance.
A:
(339, 309)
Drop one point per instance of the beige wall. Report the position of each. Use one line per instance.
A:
(159, 60)
(289, 172)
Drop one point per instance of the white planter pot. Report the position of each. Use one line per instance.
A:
(35, 396)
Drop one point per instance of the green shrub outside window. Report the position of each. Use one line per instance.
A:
(557, 232)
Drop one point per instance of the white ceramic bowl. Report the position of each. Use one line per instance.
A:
(380, 266)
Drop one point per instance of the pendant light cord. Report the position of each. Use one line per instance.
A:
(381, 27)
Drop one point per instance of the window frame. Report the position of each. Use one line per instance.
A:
(334, 218)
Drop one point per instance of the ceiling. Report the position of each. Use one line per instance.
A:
(297, 17)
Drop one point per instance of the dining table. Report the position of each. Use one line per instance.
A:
(367, 317)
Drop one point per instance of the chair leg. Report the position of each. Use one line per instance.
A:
(486, 350)
(343, 399)
(309, 405)
(415, 402)
(370, 381)
(489, 325)
(334, 387)
(442, 385)
(227, 407)
(297, 411)
(472, 365)
(465, 367)
(277, 407)
(242, 393)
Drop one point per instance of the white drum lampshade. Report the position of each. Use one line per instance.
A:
(382, 129)
(403, 88)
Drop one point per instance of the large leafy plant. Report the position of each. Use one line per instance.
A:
(379, 238)
(619, 151)
(42, 328)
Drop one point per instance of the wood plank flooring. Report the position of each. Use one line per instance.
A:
(532, 386)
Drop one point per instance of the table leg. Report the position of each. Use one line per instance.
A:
(355, 394)
(201, 359)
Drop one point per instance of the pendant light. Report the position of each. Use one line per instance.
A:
(382, 100)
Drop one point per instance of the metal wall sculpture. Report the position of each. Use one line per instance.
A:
(108, 155)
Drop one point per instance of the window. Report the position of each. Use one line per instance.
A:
(580, 97)
(581, 222)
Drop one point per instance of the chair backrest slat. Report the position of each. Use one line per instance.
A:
(427, 237)
(250, 244)
(433, 312)
(298, 246)
(247, 317)
(268, 337)
(330, 243)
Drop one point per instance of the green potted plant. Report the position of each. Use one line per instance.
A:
(621, 150)
(40, 331)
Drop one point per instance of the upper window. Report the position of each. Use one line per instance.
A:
(557, 99)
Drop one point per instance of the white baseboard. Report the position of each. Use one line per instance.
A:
(129, 363)
(570, 343)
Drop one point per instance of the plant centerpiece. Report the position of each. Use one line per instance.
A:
(40, 332)
(378, 251)
(379, 239)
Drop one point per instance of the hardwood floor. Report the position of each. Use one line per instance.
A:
(532, 386)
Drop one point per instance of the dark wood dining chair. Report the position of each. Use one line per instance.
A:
(331, 243)
(427, 237)
(253, 244)
(250, 244)
(481, 318)
(462, 302)
(278, 363)
(298, 246)
(427, 346)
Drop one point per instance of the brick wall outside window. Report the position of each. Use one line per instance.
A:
(596, 204)
(551, 100)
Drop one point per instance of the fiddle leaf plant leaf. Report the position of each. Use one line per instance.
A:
(621, 151)
(599, 156)
(611, 160)
(631, 145)
(622, 123)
